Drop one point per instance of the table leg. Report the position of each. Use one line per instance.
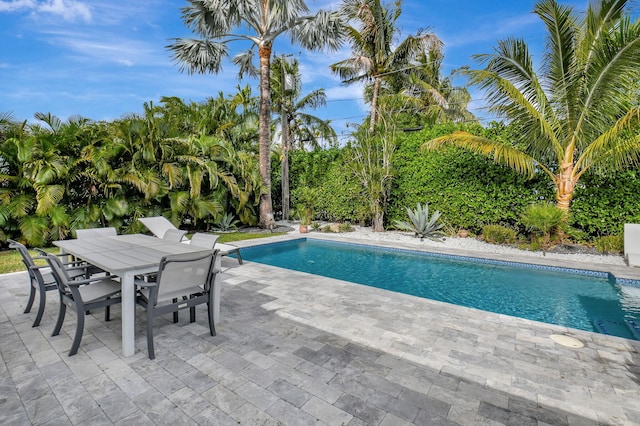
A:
(128, 314)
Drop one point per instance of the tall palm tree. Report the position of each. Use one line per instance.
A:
(373, 52)
(259, 22)
(297, 127)
(579, 111)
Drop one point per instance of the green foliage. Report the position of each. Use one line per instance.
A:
(227, 223)
(543, 217)
(498, 234)
(339, 197)
(59, 176)
(346, 227)
(304, 214)
(468, 189)
(421, 224)
(613, 244)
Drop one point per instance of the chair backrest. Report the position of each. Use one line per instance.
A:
(183, 272)
(27, 260)
(200, 239)
(174, 235)
(59, 273)
(158, 225)
(83, 234)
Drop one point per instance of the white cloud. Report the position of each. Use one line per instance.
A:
(11, 6)
(104, 47)
(70, 10)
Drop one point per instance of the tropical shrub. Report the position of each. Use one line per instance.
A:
(544, 219)
(610, 244)
(346, 227)
(498, 234)
(421, 224)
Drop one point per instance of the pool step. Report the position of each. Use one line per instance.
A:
(634, 326)
(628, 327)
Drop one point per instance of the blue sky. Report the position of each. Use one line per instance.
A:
(104, 58)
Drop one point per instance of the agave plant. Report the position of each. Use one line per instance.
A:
(227, 223)
(421, 224)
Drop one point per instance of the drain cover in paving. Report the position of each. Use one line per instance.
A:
(567, 341)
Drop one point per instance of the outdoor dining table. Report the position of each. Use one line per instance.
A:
(127, 256)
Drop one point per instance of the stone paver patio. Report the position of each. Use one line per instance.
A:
(298, 349)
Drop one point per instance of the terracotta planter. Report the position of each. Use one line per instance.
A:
(463, 233)
(304, 229)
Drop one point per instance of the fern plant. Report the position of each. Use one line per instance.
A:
(421, 224)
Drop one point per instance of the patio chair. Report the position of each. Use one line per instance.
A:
(174, 235)
(96, 232)
(632, 244)
(203, 240)
(40, 277)
(159, 225)
(183, 281)
(81, 295)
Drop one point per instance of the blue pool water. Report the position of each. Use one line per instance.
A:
(584, 300)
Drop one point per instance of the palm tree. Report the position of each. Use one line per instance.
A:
(374, 55)
(426, 90)
(579, 111)
(264, 21)
(297, 127)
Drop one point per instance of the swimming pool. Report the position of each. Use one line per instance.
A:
(586, 300)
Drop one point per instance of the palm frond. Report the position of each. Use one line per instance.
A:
(616, 148)
(198, 56)
(500, 153)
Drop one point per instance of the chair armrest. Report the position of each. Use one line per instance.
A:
(143, 283)
(34, 267)
(84, 281)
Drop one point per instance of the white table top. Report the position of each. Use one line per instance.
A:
(124, 253)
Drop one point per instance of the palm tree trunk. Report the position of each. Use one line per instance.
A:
(264, 135)
(285, 164)
(374, 104)
(565, 185)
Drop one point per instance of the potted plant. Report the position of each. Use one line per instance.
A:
(306, 198)
(305, 214)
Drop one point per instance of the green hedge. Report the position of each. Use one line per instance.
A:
(470, 190)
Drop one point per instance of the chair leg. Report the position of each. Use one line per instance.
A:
(152, 354)
(79, 330)
(61, 314)
(32, 297)
(43, 301)
(212, 327)
(239, 257)
(192, 312)
(107, 313)
(175, 314)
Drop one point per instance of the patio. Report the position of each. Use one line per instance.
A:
(297, 349)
